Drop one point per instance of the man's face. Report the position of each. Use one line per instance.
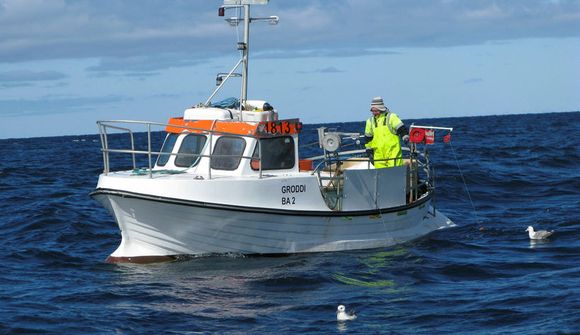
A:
(375, 111)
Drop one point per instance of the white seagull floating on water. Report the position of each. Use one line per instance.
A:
(538, 235)
(341, 314)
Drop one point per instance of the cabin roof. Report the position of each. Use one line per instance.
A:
(179, 125)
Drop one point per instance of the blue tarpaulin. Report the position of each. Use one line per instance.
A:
(227, 103)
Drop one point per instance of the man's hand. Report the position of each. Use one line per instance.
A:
(369, 152)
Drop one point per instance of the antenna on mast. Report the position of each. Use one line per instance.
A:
(242, 46)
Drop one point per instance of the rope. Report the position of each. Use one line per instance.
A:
(145, 171)
(465, 184)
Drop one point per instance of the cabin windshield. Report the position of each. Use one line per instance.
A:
(227, 153)
(190, 149)
(166, 149)
(277, 153)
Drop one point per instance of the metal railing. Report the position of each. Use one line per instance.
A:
(104, 126)
(420, 175)
(328, 170)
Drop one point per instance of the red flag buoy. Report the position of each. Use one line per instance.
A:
(447, 138)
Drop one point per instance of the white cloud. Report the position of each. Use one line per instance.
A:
(142, 64)
(48, 29)
(492, 12)
(179, 31)
(30, 76)
(55, 105)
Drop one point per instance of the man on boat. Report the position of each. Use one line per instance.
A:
(382, 131)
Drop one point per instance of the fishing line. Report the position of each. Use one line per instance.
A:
(465, 184)
(309, 145)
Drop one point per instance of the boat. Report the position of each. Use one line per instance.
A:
(229, 179)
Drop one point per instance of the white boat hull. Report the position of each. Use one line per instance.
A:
(154, 227)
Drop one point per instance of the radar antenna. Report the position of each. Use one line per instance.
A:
(242, 46)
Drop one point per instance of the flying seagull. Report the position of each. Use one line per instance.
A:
(538, 235)
(342, 315)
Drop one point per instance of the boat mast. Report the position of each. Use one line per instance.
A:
(243, 46)
(246, 53)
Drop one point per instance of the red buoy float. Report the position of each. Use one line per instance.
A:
(417, 135)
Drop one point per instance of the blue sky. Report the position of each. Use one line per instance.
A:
(64, 64)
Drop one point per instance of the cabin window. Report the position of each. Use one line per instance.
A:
(166, 149)
(227, 153)
(192, 144)
(277, 154)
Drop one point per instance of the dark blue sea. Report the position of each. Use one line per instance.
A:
(482, 277)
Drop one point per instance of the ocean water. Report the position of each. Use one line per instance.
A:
(482, 277)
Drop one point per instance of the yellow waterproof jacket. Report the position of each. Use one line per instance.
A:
(385, 141)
